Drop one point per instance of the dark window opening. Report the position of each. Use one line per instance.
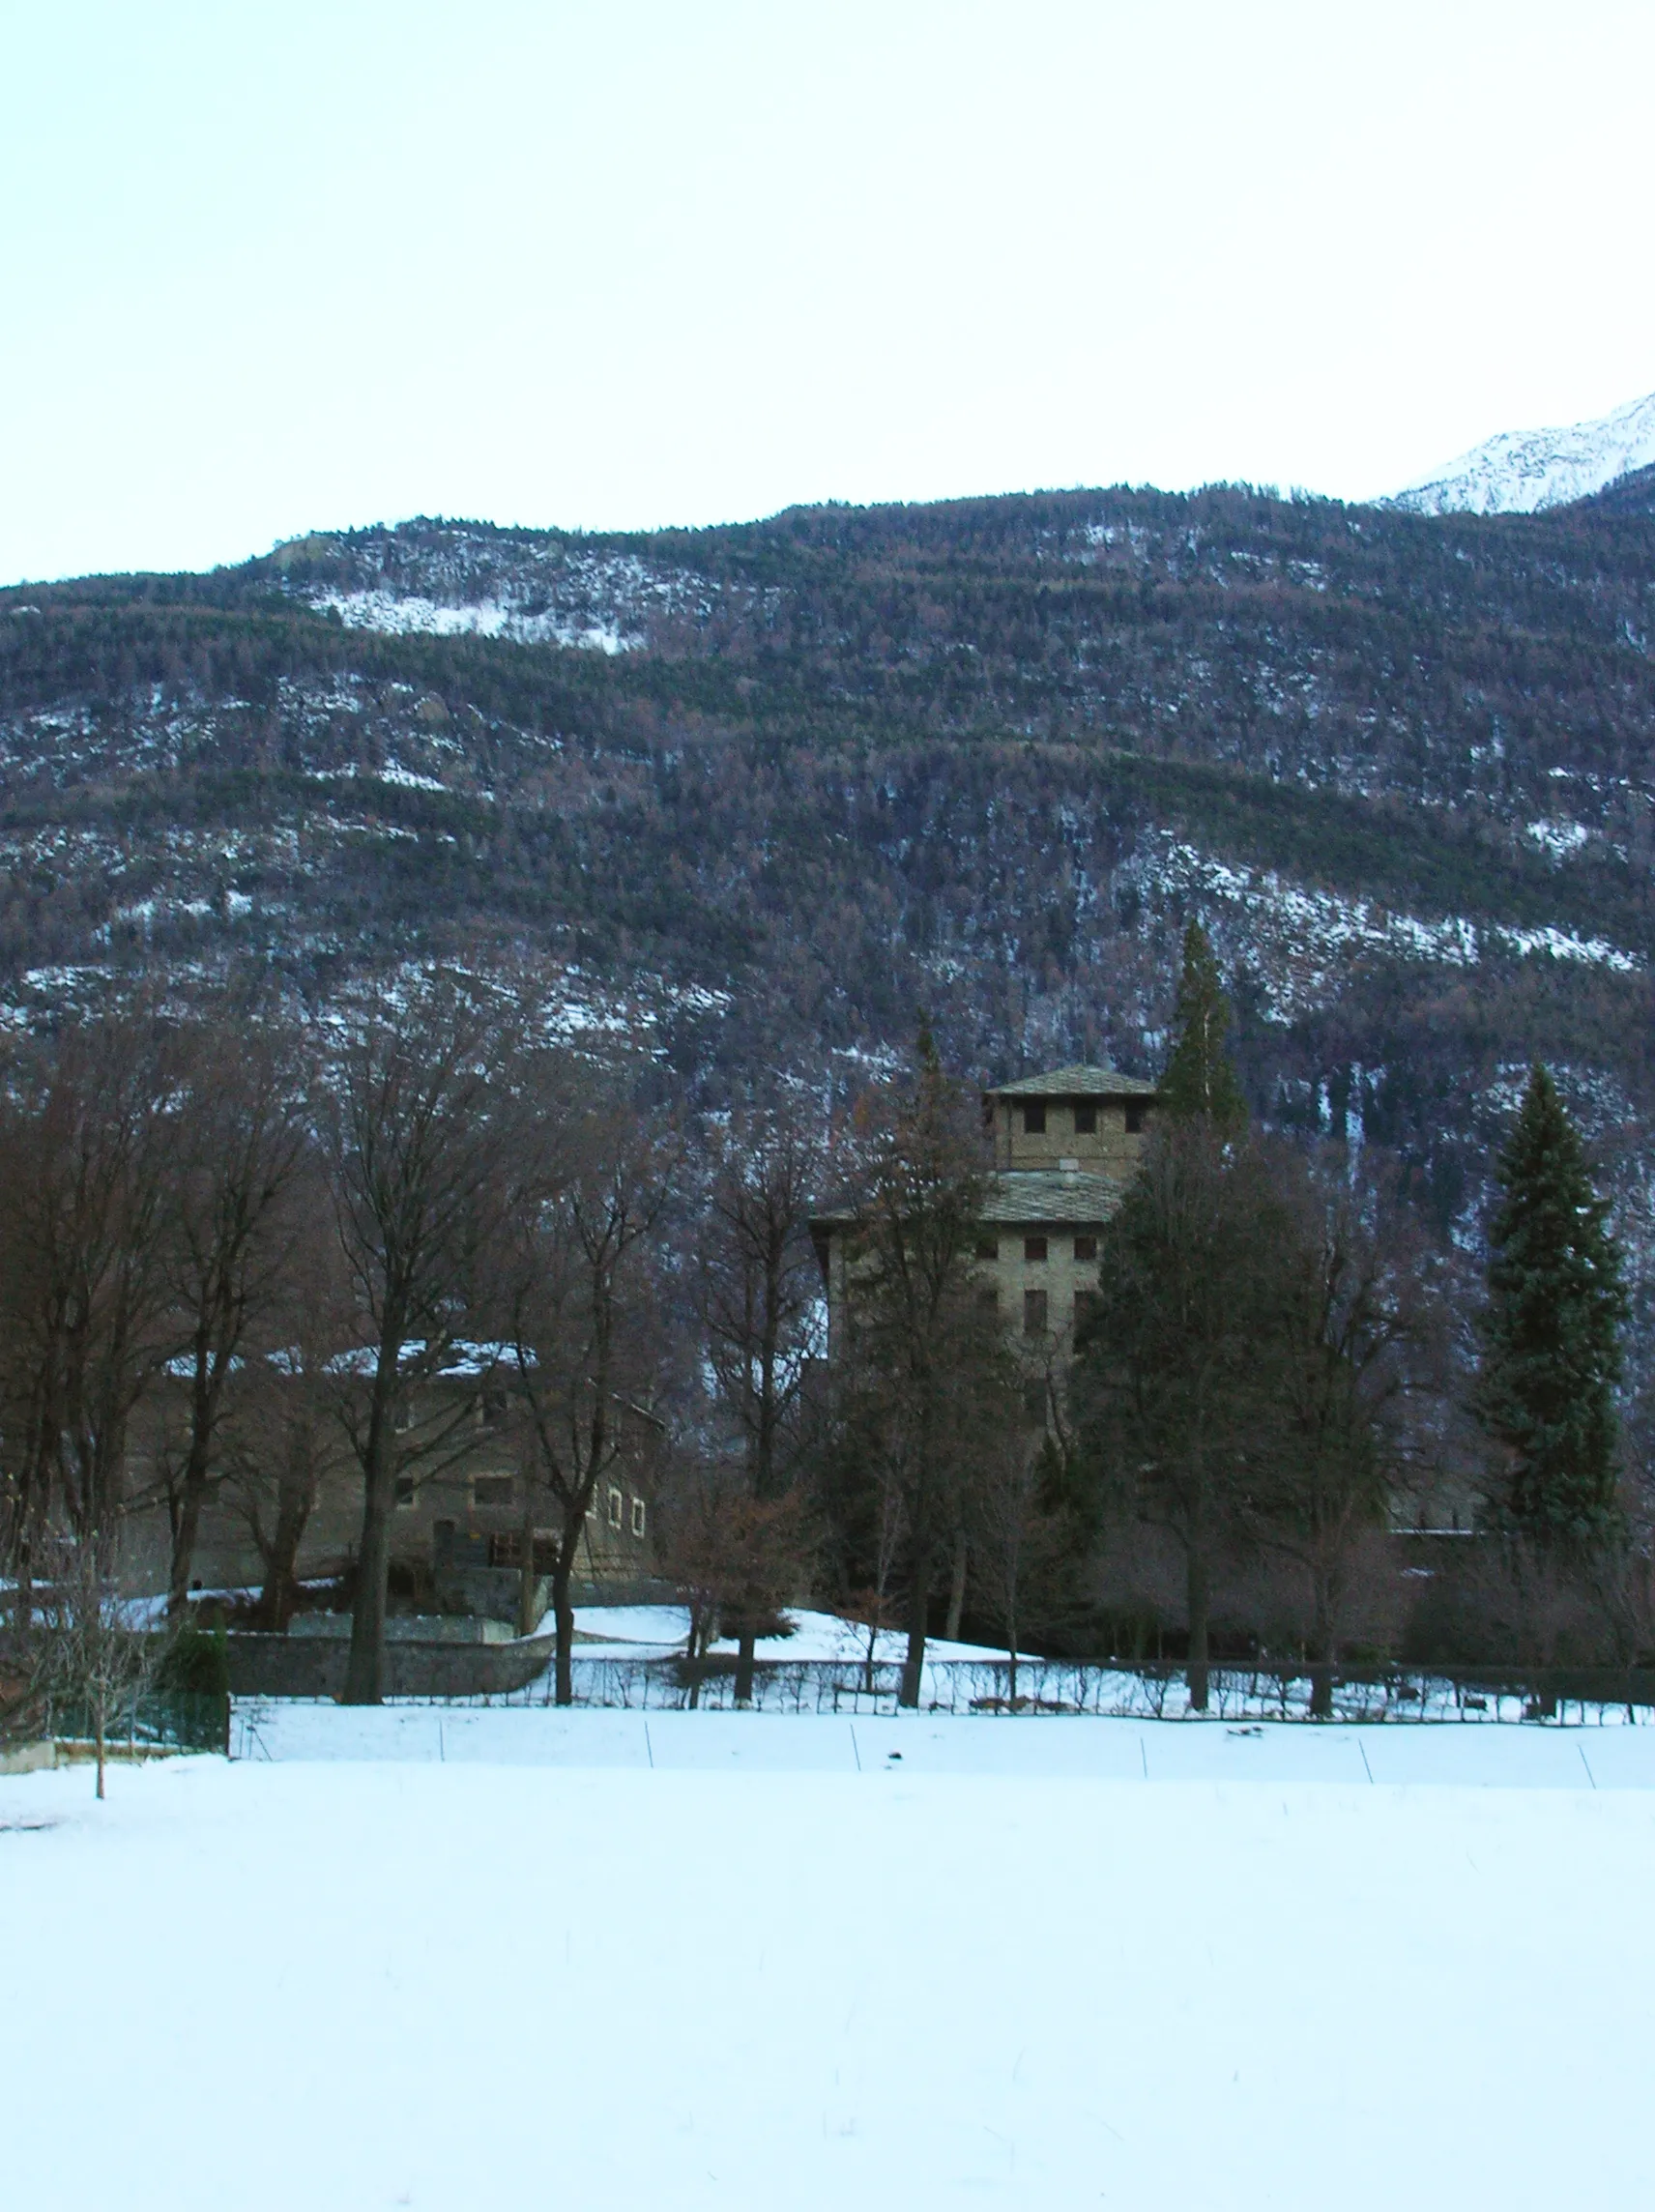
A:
(988, 1247)
(505, 1550)
(1034, 1313)
(1086, 1121)
(637, 1517)
(1086, 1247)
(1035, 1119)
(405, 1490)
(1134, 1120)
(1033, 1247)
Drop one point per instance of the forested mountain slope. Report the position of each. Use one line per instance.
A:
(762, 794)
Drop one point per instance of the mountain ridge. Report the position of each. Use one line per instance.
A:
(756, 797)
(1523, 471)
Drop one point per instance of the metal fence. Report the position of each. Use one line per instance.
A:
(1571, 1696)
(158, 1720)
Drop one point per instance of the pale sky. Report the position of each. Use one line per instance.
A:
(272, 268)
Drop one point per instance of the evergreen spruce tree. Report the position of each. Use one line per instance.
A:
(1551, 1346)
(1200, 1083)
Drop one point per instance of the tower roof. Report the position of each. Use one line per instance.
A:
(1075, 1082)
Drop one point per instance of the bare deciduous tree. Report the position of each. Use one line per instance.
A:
(417, 1134)
(759, 1299)
(85, 1151)
(587, 1194)
(923, 1368)
(98, 1660)
(284, 1444)
(240, 1134)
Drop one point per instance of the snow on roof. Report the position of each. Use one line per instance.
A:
(1075, 1082)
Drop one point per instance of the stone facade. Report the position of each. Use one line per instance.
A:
(458, 1532)
(1065, 1145)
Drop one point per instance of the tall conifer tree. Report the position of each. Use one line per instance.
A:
(1551, 1343)
(1200, 1083)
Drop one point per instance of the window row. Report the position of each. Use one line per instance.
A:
(1037, 1249)
(1037, 1308)
(500, 1489)
(1035, 1110)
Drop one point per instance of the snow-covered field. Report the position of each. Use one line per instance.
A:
(742, 1961)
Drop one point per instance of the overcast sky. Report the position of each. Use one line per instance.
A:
(269, 268)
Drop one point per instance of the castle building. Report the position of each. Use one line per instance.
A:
(1065, 1146)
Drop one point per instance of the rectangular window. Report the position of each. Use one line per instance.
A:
(1034, 1313)
(615, 1504)
(1035, 1119)
(405, 1490)
(1086, 1247)
(988, 1247)
(1134, 1119)
(637, 1517)
(1086, 1121)
(1033, 1247)
(491, 1489)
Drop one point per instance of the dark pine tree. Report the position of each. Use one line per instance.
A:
(1550, 1333)
(1199, 1084)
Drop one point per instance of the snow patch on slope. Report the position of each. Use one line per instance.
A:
(410, 615)
(1520, 471)
(533, 591)
(1302, 941)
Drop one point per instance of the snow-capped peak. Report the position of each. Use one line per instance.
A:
(1522, 470)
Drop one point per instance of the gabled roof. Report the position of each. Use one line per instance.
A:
(1077, 1082)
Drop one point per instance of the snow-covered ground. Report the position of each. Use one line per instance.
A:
(657, 1631)
(737, 1971)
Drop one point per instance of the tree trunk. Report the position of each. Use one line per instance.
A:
(203, 1410)
(913, 1663)
(185, 1531)
(1324, 1654)
(957, 1589)
(365, 1675)
(280, 1592)
(527, 1579)
(562, 1612)
(1198, 1601)
(745, 1647)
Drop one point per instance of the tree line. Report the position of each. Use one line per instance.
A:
(244, 1259)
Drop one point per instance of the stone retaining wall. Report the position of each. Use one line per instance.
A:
(315, 1667)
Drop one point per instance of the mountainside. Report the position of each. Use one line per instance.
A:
(1520, 471)
(759, 796)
